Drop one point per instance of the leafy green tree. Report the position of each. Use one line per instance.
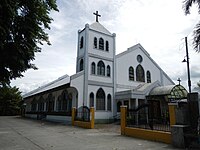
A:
(22, 30)
(10, 100)
(196, 39)
(198, 84)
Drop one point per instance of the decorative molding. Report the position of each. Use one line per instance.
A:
(90, 82)
(100, 57)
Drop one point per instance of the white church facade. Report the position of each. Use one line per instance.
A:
(103, 80)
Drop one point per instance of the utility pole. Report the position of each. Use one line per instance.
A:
(188, 67)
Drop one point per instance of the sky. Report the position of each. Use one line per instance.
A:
(159, 26)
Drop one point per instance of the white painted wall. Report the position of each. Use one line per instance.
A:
(63, 119)
(129, 58)
(94, 89)
(82, 50)
(77, 81)
(103, 115)
(97, 51)
(166, 80)
(97, 77)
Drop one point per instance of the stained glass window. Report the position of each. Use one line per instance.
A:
(93, 68)
(91, 99)
(100, 99)
(148, 77)
(140, 74)
(101, 44)
(95, 42)
(101, 68)
(131, 73)
(109, 102)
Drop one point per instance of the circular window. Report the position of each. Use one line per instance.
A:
(139, 58)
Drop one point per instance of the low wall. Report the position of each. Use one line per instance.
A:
(153, 135)
(61, 119)
(33, 116)
(147, 134)
(83, 124)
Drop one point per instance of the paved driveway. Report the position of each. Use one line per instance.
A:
(18, 133)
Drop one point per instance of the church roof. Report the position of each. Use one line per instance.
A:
(140, 91)
(54, 84)
(98, 27)
(133, 48)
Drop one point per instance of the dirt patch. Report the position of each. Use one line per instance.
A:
(108, 127)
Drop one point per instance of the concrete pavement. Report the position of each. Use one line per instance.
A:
(18, 133)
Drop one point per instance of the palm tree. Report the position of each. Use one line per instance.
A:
(196, 39)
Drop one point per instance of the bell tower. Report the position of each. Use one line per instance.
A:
(96, 58)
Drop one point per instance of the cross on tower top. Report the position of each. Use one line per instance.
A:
(97, 15)
(179, 80)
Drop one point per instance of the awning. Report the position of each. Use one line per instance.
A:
(171, 91)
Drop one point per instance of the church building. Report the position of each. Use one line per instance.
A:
(103, 80)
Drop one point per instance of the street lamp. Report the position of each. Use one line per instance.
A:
(188, 67)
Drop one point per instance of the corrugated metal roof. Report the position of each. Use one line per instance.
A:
(54, 84)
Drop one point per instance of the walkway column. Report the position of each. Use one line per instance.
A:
(92, 117)
(172, 115)
(73, 115)
(123, 119)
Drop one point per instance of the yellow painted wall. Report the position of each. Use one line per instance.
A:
(153, 135)
(172, 115)
(123, 110)
(146, 134)
(83, 124)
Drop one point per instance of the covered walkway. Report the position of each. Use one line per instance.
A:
(170, 93)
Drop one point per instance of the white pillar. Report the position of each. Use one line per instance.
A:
(55, 102)
(136, 102)
(37, 107)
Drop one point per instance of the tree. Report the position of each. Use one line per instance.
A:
(198, 84)
(10, 100)
(22, 29)
(196, 39)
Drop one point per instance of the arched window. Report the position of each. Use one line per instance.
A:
(93, 68)
(100, 99)
(41, 104)
(108, 71)
(148, 77)
(131, 74)
(91, 99)
(101, 68)
(109, 103)
(140, 74)
(81, 65)
(59, 103)
(101, 44)
(50, 103)
(34, 105)
(118, 106)
(65, 101)
(95, 42)
(69, 102)
(81, 42)
(107, 46)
